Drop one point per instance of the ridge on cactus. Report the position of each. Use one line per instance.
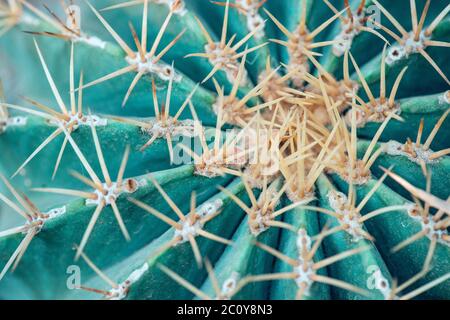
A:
(263, 150)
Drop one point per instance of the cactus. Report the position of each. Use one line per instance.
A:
(243, 149)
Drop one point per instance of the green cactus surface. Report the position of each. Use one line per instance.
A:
(230, 149)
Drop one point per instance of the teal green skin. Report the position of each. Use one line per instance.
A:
(394, 227)
(429, 82)
(61, 233)
(192, 41)
(154, 284)
(356, 269)
(412, 110)
(237, 25)
(360, 50)
(287, 289)
(412, 172)
(289, 15)
(20, 66)
(114, 138)
(245, 259)
(96, 62)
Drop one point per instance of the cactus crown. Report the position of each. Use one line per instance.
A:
(262, 149)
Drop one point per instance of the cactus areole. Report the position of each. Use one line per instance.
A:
(230, 149)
